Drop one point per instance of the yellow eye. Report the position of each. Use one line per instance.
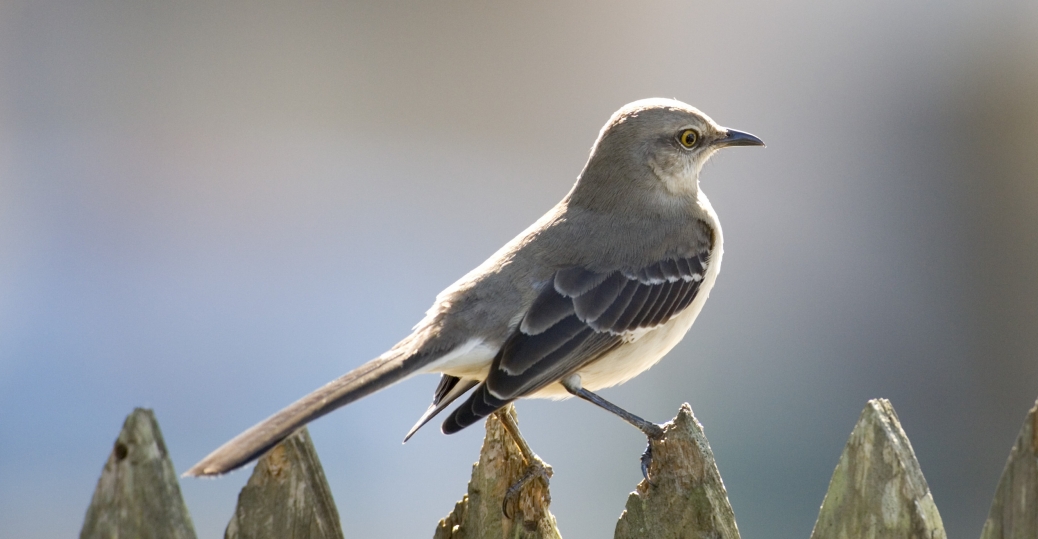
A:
(688, 138)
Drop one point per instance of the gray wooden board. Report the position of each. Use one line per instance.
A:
(138, 494)
(686, 497)
(878, 490)
(1014, 511)
(287, 496)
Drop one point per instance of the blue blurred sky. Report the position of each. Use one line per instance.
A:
(211, 209)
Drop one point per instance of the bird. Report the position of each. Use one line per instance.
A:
(593, 293)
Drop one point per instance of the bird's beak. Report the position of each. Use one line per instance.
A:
(738, 138)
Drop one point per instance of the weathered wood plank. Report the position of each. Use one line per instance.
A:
(1014, 511)
(878, 490)
(479, 514)
(687, 497)
(287, 496)
(138, 494)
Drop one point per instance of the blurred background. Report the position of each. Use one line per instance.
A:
(211, 210)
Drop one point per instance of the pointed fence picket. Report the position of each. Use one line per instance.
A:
(877, 490)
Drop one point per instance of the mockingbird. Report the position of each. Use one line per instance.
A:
(593, 293)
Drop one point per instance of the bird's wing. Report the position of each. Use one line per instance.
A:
(579, 316)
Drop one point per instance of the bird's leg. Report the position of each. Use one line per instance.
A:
(651, 430)
(535, 467)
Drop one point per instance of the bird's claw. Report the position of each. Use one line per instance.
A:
(537, 469)
(646, 460)
(655, 432)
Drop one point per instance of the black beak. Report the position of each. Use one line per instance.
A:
(738, 138)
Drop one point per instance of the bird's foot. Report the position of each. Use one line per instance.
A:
(653, 432)
(536, 469)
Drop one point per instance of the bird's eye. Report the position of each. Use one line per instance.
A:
(688, 138)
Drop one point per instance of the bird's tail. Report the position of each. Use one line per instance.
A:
(360, 382)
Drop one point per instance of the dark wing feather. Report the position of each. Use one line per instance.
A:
(546, 311)
(591, 304)
(579, 316)
(616, 310)
(520, 353)
(447, 383)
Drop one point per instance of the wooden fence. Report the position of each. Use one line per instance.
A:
(877, 490)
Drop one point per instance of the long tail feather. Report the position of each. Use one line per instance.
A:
(442, 402)
(360, 382)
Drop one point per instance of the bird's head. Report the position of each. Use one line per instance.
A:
(656, 147)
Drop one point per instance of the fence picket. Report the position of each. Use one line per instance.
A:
(1014, 511)
(138, 494)
(287, 496)
(687, 497)
(878, 489)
